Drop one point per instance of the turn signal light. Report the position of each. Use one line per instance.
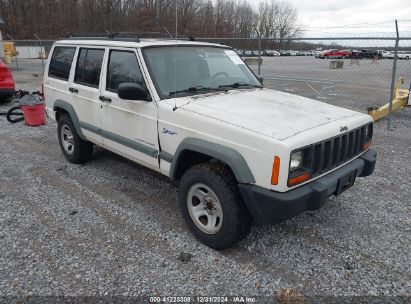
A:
(298, 179)
(366, 145)
(276, 171)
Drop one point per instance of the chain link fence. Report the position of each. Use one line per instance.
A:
(350, 71)
(354, 72)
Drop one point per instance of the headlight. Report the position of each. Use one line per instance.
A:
(296, 160)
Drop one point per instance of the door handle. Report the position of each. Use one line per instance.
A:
(73, 90)
(105, 99)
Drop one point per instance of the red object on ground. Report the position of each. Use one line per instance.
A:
(34, 114)
(7, 85)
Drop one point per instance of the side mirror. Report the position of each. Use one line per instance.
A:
(260, 79)
(133, 91)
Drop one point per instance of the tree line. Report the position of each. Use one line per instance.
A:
(199, 18)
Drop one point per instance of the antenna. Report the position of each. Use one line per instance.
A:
(175, 61)
(176, 19)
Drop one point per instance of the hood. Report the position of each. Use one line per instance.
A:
(268, 112)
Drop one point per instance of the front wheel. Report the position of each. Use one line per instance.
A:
(212, 206)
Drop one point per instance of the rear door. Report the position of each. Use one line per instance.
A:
(56, 76)
(129, 127)
(85, 91)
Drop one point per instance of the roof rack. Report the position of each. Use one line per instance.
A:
(126, 36)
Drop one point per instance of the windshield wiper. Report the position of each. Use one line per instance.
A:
(237, 85)
(197, 89)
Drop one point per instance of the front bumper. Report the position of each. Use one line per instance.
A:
(271, 207)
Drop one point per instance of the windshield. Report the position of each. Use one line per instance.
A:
(193, 70)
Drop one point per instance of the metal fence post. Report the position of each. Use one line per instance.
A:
(259, 55)
(41, 52)
(394, 70)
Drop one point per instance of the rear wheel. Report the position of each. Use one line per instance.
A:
(73, 147)
(212, 206)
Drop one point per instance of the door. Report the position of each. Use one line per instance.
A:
(85, 91)
(129, 127)
(56, 77)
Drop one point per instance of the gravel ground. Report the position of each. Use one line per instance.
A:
(111, 227)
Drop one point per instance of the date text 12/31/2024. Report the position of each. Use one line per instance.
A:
(203, 299)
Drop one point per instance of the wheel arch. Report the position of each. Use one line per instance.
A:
(63, 106)
(206, 150)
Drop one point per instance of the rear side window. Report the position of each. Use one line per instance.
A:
(89, 67)
(60, 63)
(123, 68)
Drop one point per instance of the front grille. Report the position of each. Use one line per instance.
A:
(335, 151)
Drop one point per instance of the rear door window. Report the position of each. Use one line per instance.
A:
(123, 68)
(89, 67)
(60, 63)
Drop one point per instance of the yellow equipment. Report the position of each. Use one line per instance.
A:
(399, 101)
(7, 58)
(10, 48)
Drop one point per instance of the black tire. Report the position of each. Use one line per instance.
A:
(6, 99)
(236, 219)
(407, 58)
(81, 150)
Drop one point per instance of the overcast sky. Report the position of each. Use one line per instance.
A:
(361, 16)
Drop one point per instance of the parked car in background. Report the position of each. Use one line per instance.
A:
(7, 85)
(248, 53)
(323, 54)
(317, 54)
(368, 54)
(385, 54)
(268, 53)
(404, 55)
(334, 53)
(257, 53)
(271, 53)
(239, 52)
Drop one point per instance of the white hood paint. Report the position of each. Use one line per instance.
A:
(272, 113)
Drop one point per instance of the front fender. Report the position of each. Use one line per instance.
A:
(230, 157)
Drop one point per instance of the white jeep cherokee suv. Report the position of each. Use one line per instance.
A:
(196, 113)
